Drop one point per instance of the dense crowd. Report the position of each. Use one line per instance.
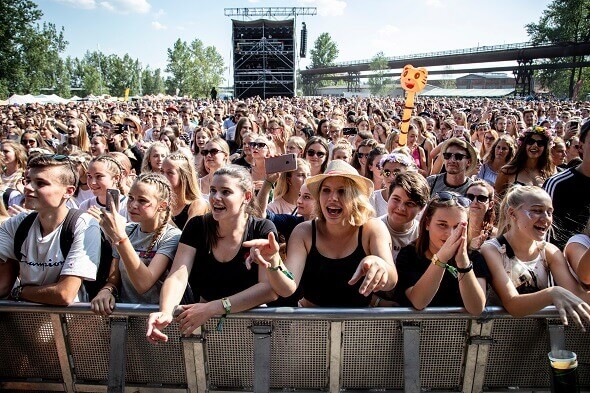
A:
(171, 202)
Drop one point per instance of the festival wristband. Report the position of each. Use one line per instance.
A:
(280, 267)
(451, 269)
(227, 307)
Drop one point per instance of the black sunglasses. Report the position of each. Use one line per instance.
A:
(210, 151)
(445, 196)
(480, 198)
(258, 145)
(456, 156)
(362, 155)
(319, 154)
(538, 142)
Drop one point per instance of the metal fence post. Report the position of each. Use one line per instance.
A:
(411, 334)
(117, 360)
(262, 336)
(60, 334)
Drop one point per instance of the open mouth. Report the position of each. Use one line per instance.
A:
(541, 228)
(334, 211)
(218, 208)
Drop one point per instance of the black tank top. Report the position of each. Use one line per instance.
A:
(325, 280)
(182, 217)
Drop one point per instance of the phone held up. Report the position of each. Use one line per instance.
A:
(113, 196)
(284, 163)
(350, 131)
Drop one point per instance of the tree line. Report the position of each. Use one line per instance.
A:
(31, 62)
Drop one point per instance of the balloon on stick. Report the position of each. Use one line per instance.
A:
(413, 80)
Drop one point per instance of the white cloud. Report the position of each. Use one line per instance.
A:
(386, 38)
(159, 14)
(127, 6)
(158, 26)
(327, 7)
(253, 1)
(434, 3)
(84, 4)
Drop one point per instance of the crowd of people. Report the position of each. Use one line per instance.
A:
(170, 203)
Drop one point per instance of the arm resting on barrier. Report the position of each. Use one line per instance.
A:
(8, 273)
(104, 302)
(520, 305)
(578, 257)
(61, 293)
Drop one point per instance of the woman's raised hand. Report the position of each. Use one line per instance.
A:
(263, 251)
(451, 245)
(461, 257)
(112, 223)
(375, 273)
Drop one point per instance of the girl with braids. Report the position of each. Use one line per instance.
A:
(523, 266)
(154, 157)
(211, 258)
(142, 249)
(104, 172)
(182, 177)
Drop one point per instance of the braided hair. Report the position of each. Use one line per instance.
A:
(114, 167)
(164, 193)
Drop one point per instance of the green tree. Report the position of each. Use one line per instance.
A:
(29, 52)
(194, 68)
(152, 81)
(324, 51)
(563, 21)
(378, 83)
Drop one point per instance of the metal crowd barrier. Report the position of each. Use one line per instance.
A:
(273, 349)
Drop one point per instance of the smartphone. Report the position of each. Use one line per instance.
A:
(113, 195)
(284, 163)
(350, 131)
(574, 125)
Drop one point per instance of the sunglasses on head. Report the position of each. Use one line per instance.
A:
(210, 151)
(480, 198)
(319, 154)
(258, 145)
(456, 156)
(445, 196)
(538, 142)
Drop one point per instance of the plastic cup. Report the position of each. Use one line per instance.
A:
(564, 374)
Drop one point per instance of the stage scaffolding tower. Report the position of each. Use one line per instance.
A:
(265, 50)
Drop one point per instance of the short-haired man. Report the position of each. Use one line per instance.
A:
(528, 115)
(569, 191)
(460, 158)
(45, 275)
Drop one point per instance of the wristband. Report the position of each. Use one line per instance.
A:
(112, 289)
(451, 269)
(227, 307)
(280, 268)
(271, 184)
(16, 293)
(121, 241)
(465, 270)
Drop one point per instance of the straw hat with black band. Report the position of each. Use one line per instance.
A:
(339, 168)
(463, 144)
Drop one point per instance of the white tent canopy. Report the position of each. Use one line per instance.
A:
(40, 99)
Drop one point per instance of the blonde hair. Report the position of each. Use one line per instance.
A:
(164, 193)
(515, 198)
(146, 164)
(342, 145)
(114, 168)
(189, 186)
(356, 202)
(282, 184)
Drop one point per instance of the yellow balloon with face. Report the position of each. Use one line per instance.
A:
(414, 79)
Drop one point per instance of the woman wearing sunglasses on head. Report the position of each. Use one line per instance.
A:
(531, 164)
(437, 269)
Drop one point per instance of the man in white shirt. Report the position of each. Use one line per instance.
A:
(45, 275)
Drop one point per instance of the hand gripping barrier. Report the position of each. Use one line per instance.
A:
(272, 349)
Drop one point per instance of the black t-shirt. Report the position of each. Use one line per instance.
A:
(569, 191)
(212, 279)
(410, 268)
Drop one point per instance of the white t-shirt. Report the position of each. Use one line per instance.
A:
(584, 240)
(378, 203)
(88, 203)
(401, 239)
(83, 195)
(42, 262)
(281, 206)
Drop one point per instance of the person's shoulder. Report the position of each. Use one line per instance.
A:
(376, 224)
(580, 238)
(171, 231)
(559, 179)
(262, 224)
(12, 223)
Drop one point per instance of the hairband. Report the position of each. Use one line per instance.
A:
(110, 159)
(149, 177)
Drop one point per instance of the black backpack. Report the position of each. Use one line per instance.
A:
(65, 244)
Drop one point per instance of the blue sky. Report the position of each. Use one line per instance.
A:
(147, 28)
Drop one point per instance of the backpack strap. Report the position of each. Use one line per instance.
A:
(6, 196)
(66, 237)
(21, 234)
(503, 242)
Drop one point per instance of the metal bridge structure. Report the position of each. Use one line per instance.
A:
(524, 54)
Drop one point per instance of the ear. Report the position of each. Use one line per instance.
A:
(248, 196)
(69, 192)
(163, 206)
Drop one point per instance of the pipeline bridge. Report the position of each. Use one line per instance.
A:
(524, 53)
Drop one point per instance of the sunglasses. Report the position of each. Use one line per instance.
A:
(490, 138)
(211, 151)
(538, 142)
(258, 145)
(29, 141)
(388, 173)
(319, 154)
(480, 198)
(456, 156)
(445, 196)
(362, 155)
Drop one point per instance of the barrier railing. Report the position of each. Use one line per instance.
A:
(393, 349)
